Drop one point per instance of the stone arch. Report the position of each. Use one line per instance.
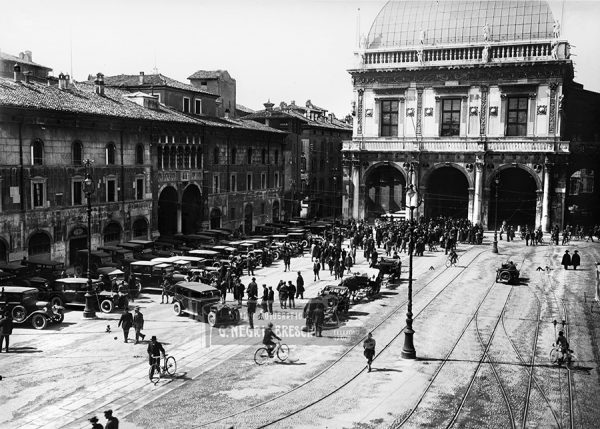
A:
(167, 210)
(373, 166)
(433, 168)
(447, 191)
(384, 190)
(112, 232)
(518, 197)
(191, 209)
(39, 243)
(490, 176)
(139, 228)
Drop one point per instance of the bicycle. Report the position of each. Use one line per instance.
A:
(452, 262)
(558, 357)
(261, 356)
(156, 371)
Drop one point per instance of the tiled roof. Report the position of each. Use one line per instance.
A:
(244, 108)
(7, 57)
(207, 74)
(277, 113)
(150, 80)
(81, 98)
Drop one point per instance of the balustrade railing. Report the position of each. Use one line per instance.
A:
(398, 145)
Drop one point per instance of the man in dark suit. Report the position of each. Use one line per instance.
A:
(126, 321)
(6, 327)
(138, 324)
(154, 349)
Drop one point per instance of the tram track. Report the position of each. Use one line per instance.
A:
(343, 355)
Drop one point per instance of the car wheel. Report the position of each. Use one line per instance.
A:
(276, 256)
(236, 315)
(56, 301)
(19, 313)
(505, 276)
(177, 308)
(39, 321)
(106, 306)
(304, 244)
(60, 316)
(212, 318)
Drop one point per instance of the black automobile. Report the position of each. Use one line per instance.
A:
(202, 301)
(46, 268)
(98, 258)
(361, 286)
(25, 276)
(74, 290)
(25, 306)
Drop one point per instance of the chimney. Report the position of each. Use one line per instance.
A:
(27, 75)
(28, 56)
(268, 106)
(62, 81)
(17, 70)
(141, 78)
(99, 84)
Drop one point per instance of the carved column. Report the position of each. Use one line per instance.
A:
(347, 193)
(419, 112)
(477, 192)
(483, 111)
(356, 188)
(359, 112)
(552, 113)
(546, 199)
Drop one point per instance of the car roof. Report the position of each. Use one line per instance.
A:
(75, 280)
(196, 286)
(203, 252)
(191, 258)
(18, 289)
(145, 263)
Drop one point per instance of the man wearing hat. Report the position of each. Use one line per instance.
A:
(138, 324)
(154, 349)
(566, 260)
(111, 422)
(575, 260)
(95, 424)
(126, 321)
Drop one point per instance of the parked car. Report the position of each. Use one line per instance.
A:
(361, 286)
(507, 273)
(25, 306)
(202, 301)
(342, 297)
(74, 290)
(150, 274)
(25, 276)
(98, 259)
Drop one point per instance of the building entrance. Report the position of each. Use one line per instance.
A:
(385, 188)
(167, 211)
(517, 196)
(447, 193)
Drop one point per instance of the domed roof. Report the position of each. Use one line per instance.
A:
(406, 23)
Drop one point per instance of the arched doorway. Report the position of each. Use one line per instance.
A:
(583, 200)
(385, 188)
(39, 245)
(167, 211)
(248, 215)
(112, 233)
(3, 251)
(447, 193)
(77, 241)
(191, 210)
(140, 228)
(276, 211)
(215, 218)
(517, 196)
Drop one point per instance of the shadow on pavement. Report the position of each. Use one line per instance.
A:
(385, 370)
(59, 327)
(23, 350)
(289, 363)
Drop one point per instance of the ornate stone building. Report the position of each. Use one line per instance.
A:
(466, 92)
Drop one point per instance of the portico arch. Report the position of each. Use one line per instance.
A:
(447, 191)
(167, 211)
(191, 209)
(385, 187)
(518, 190)
(39, 244)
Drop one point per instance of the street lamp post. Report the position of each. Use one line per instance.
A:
(495, 243)
(408, 350)
(88, 189)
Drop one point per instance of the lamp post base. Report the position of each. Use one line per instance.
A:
(408, 350)
(88, 311)
(495, 247)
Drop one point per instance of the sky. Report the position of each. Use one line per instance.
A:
(278, 50)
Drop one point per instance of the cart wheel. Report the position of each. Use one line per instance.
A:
(261, 356)
(283, 352)
(56, 301)
(38, 321)
(554, 355)
(212, 318)
(106, 306)
(177, 308)
(171, 365)
(19, 313)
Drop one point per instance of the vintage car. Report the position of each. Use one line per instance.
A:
(150, 274)
(361, 286)
(74, 289)
(300, 239)
(25, 307)
(343, 296)
(210, 256)
(202, 301)
(507, 273)
(329, 305)
(390, 266)
(46, 268)
(98, 258)
(7, 278)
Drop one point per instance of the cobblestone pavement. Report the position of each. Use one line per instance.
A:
(482, 347)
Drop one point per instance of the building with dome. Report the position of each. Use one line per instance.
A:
(459, 98)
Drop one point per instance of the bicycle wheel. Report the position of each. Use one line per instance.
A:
(554, 355)
(456, 261)
(171, 365)
(261, 356)
(154, 373)
(448, 263)
(283, 352)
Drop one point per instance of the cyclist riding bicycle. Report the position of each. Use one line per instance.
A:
(154, 349)
(268, 339)
(562, 342)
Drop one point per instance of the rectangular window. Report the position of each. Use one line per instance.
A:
(216, 189)
(139, 189)
(198, 107)
(249, 181)
(389, 118)
(516, 116)
(111, 190)
(186, 105)
(276, 180)
(233, 183)
(263, 181)
(450, 117)
(231, 213)
(38, 197)
(77, 191)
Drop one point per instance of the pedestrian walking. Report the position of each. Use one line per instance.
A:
(264, 302)
(240, 290)
(251, 263)
(252, 298)
(318, 316)
(566, 260)
(6, 328)
(165, 290)
(316, 269)
(283, 295)
(299, 286)
(291, 294)
(95, 424)
(126, 321)
(138, 324)
(369, 346)
(111, 421)
(271, 299)
(286, 261)
(575, 260)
